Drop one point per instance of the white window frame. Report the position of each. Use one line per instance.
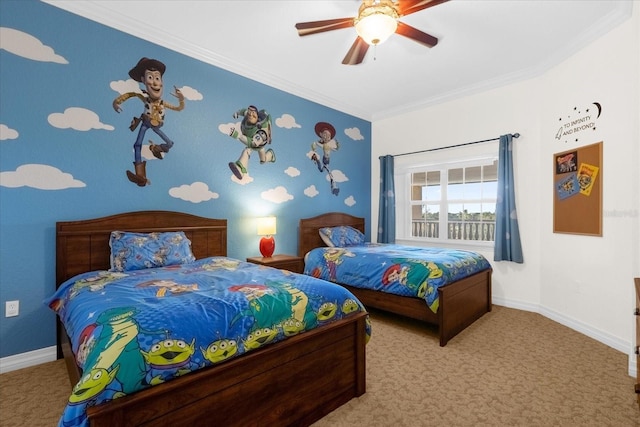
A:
(403, 176)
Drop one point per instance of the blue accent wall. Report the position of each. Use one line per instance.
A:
(64, 152)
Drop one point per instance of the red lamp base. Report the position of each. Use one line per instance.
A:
(267, 246)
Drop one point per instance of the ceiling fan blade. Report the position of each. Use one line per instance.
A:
(416, 35)
(407, 7)
(357, 52)
(314, 27)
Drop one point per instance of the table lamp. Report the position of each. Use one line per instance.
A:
(267, 229)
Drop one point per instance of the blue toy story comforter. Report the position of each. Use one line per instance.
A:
(140, 328)
(402, 270)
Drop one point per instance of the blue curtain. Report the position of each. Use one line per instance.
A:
(387, 206)
(507, 237)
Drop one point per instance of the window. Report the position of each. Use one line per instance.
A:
(450, 202)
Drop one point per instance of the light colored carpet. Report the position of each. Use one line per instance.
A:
(510, 368)
(34, 396)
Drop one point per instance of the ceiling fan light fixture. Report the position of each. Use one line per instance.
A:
(376, 21)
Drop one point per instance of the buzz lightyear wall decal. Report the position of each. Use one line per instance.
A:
(324, 146)
(255, 134)
(149, 72)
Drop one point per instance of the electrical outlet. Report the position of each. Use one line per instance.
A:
(12, 308)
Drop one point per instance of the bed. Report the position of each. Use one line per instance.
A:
(285, 383)
(460, 303)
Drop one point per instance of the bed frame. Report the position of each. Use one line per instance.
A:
(461, 302)
(291, 383)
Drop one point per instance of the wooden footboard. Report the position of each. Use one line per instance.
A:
(461, 303)
(291, 383)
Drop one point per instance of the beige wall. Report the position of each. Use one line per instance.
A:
(583, 282)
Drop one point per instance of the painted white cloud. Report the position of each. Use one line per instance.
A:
(292, 172)
(287, 121)
(7, 133)
(277, 195)
(190, 93)
(42, 177)
(246, 179)
(146, 153)
(77, 118)
(124, 86)
(354, 133)
(350, 201)
(226, 127)
(196, 192)
(311, 191)
(25, 45)
(338, 176)
(130, 85)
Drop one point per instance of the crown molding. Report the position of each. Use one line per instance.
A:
(95, 11)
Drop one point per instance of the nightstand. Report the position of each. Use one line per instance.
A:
(284, 262)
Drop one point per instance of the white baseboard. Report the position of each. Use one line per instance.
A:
(30, 358)
(613, 342)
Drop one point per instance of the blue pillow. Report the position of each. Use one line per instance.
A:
(136, 251)
(342, 236)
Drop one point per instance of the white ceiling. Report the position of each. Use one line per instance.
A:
(482, 44)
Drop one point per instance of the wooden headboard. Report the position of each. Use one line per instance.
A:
(83, 245)
(309, 236)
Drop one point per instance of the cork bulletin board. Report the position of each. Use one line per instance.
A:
(577, 191)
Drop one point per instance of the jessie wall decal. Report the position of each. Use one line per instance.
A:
(255, 134)
(149, 72)
(325, 145)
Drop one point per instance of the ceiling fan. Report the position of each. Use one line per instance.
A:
(376, 21)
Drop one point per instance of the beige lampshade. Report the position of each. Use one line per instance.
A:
(267, 226)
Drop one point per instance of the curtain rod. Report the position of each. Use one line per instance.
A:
(515, 135)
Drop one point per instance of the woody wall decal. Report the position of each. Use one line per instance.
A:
(149, 72)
